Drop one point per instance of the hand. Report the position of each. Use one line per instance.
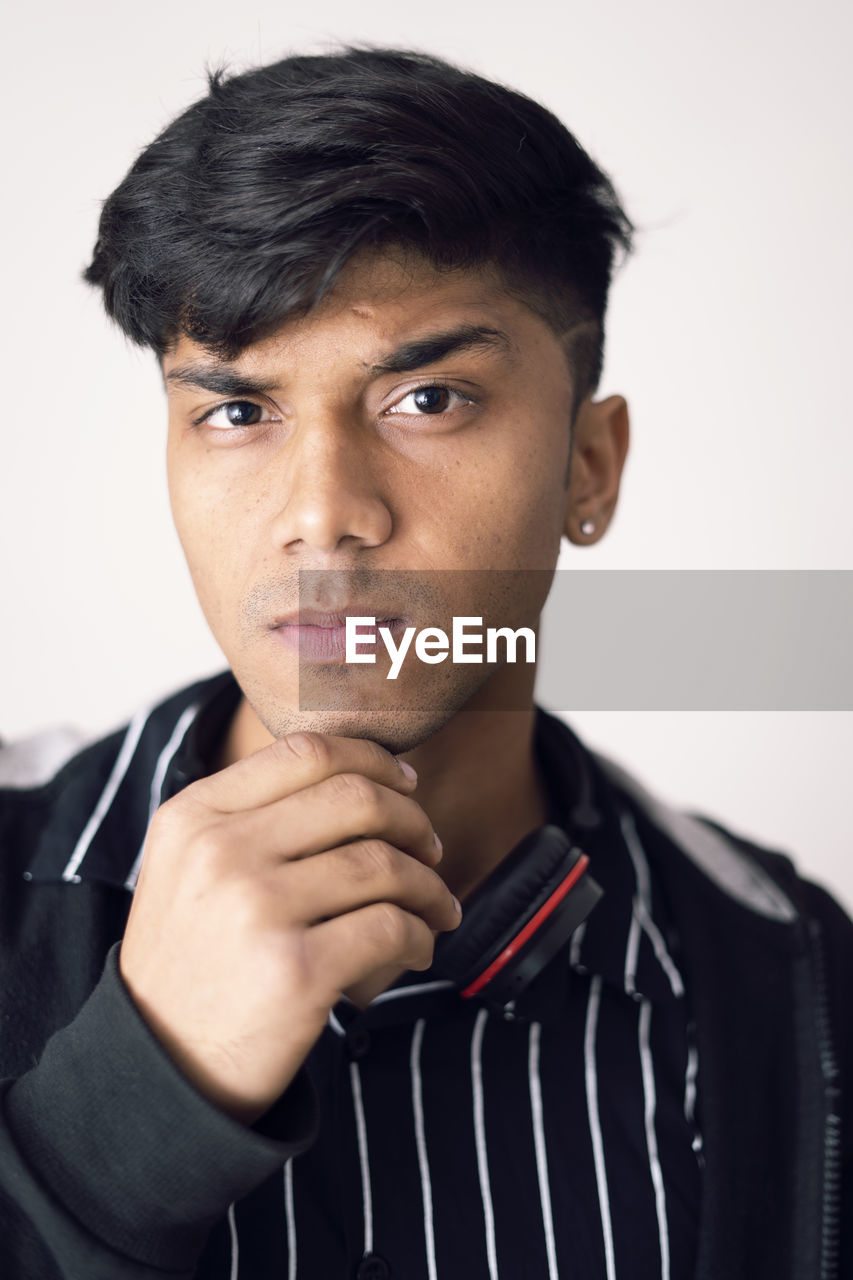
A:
(268, 889)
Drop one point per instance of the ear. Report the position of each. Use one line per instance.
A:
(599, 446)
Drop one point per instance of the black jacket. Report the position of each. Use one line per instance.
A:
(767, 959)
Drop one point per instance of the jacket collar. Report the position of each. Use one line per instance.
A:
(99, 805)
(715, 854)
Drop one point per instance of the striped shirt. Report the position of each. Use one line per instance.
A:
(557, 1137)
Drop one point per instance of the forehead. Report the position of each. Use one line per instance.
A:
(383, 299)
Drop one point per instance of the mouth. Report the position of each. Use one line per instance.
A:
(320, 635)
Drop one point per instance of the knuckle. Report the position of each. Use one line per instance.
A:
(212, 845)
(356, 791)
(177, 823)
(378, 757)
(380, 858)
(196, 801)
(391, 925)
(307, 748)
(180, 808)
(166, 820)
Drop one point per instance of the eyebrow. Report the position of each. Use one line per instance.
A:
(225, 380)
(221, 379)
(437, 346)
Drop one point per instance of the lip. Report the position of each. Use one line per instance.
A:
(320, 635)
(331, 618)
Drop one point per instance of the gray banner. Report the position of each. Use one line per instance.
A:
(700, 640)
(608, 640)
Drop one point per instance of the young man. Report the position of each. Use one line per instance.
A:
(248, 1029)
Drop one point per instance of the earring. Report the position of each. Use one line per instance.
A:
(587, 527)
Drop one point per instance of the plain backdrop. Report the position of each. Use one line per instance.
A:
(726, 130)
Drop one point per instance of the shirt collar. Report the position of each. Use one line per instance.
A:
(99, 806)
(629, 939)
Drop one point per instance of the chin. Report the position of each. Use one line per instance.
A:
(398, 719)
(396, 734)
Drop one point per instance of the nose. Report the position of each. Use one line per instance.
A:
(331, 490)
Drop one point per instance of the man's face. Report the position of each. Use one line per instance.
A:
(415, 422)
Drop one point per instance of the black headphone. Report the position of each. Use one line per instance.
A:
(516, 921)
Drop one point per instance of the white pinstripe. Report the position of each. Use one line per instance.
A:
(595, 1123)
(155, 797)
(643, 902)
(101, 809)
(335, 1024)
(416, 989)
(235, 1244)
(291, 1220)
(361, 1130)
(690, 1083)
(651, 1137)
(480, 1141)
(632, 951)
(664, 958)
(690, 1092)
(541, 1154)
(420, 1140)
(577, 940)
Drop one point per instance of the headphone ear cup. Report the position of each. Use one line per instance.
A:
(503, 904)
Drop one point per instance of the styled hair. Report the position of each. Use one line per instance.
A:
(243, 211)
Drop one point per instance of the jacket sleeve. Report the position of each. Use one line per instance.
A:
(837, 934)
(839, 929)
(112, 1165)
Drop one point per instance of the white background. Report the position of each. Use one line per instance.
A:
(726, 129)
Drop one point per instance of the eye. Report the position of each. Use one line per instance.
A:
(236, 413)
(433, 399)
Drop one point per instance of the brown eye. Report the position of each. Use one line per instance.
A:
(242, 413)
(431, 399)
(237, 413)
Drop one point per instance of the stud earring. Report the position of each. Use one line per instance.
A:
(587, 527)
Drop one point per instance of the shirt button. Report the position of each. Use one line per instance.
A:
(358, 1046)
(372, 1267)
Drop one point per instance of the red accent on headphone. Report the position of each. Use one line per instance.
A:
(530, 928)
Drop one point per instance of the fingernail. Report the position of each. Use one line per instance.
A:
(457, 904)
(439, 846)
(408, 770)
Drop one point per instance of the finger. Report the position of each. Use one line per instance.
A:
(296, 761)
(356, 875)
(339, 810)
(345, 950)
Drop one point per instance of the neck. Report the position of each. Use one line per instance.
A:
(478, 782)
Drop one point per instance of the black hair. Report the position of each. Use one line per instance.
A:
(244, 210)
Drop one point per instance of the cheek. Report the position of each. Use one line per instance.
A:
(208, 527)
(507, 500)
(536, 492)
